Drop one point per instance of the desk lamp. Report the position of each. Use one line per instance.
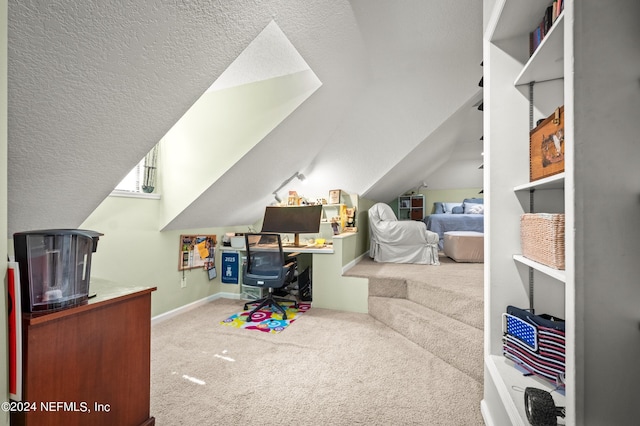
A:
(298, 175)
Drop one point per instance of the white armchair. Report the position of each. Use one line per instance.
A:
(395, 241)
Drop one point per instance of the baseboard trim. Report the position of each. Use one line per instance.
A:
(186, 308)
(486, 414)
(354, 262)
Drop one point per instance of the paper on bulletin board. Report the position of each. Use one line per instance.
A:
(202, 249)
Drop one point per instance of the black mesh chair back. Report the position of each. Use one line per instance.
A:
(265, 267)
(265, 261)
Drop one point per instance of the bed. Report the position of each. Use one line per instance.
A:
(465, 216)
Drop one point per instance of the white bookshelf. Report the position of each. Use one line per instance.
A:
(411, 207)
(551, 182)
(557, 274)
(547, 62)
(589, 63)
(511, 384)
(511, 109)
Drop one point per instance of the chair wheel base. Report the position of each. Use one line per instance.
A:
(270, 302)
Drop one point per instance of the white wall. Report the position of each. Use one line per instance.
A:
(457, 174)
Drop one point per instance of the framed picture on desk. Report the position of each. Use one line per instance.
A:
(334, 196)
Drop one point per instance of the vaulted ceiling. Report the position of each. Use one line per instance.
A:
(93, 85)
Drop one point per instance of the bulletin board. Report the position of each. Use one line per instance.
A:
(197, 251)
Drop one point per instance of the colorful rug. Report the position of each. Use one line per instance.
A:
(265, 320)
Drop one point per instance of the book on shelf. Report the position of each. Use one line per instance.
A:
(551, 13)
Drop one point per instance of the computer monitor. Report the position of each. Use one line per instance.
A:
(292, 220)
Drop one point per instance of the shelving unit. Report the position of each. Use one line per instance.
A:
(588, 62)
(557, 274)
(537, 88)
(411, 207)
(330, 211)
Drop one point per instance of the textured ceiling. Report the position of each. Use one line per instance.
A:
(269, 55)
(93, 85)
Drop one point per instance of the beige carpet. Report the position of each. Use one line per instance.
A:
(327, 368)
(451, 288)
(462, 278)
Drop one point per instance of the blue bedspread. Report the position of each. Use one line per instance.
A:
(443, 222)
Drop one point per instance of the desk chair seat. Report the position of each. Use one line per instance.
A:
(265, 267)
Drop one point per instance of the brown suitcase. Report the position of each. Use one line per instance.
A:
(546, 147)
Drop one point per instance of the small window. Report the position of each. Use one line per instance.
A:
(133, 181)
(142, 179)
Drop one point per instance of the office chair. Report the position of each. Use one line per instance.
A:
(265, 267)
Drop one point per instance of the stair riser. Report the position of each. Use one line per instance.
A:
(466, 310)
(388, 287)
(458, 344)
(453, 304)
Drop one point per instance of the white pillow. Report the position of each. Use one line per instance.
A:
(472, 208)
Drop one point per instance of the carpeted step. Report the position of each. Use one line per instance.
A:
(451, 288)
(388, 287)
(464, 304)
(455, 342)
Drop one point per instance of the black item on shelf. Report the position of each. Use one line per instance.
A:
(540, 408)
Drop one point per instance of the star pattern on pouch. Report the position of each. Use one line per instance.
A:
(522, 330)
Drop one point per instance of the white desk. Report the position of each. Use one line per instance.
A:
(292, 249)
(308, 249)
(332, 290)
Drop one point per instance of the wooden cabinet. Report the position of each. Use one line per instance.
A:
(89, 364)
(573, 66)
(411, 207)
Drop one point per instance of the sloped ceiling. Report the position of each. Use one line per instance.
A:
(93, 85)
(267, 82)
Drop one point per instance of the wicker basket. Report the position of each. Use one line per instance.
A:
(542, 238)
